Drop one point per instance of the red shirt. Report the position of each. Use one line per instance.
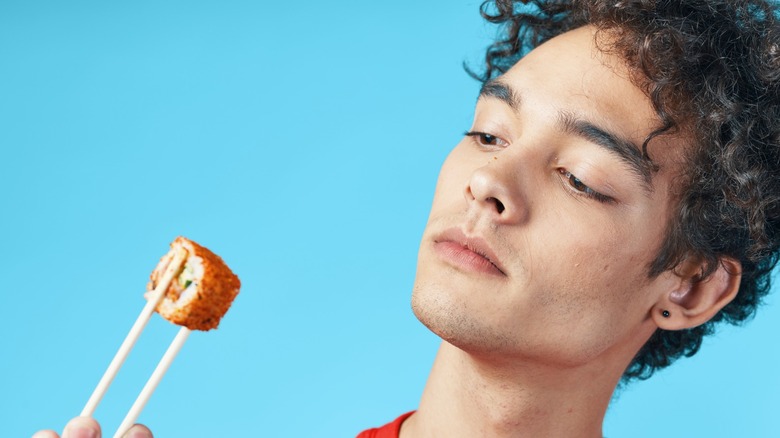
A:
(389, 430)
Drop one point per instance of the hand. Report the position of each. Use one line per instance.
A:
(86, 427)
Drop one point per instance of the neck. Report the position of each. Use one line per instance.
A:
(466, 396)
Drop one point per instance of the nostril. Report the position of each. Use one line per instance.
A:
(499, 205)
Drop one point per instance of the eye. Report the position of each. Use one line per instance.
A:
(485, 139)
(578, 186)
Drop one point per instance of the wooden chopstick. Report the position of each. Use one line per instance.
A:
(135, 332)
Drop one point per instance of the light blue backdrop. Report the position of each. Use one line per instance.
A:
(299, 140)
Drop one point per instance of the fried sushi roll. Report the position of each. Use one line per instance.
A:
(201, 292)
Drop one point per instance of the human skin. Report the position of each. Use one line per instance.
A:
(533, 267)
(86, 427)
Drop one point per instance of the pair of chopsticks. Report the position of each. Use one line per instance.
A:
(124, 350)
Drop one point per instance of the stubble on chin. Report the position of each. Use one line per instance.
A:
(452, 321)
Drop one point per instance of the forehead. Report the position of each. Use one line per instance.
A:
(571, 70)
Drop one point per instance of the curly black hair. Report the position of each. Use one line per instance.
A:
(711, 69)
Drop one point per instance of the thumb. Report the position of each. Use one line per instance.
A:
(81, 427)
(138, 431)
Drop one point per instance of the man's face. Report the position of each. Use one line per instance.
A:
(545, 220)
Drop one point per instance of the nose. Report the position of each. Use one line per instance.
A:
(495, 190)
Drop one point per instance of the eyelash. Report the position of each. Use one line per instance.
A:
(484, 139)
(581, 188)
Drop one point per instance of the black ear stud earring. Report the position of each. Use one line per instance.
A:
(665, 313)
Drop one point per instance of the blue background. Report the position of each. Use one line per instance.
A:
(301, 142)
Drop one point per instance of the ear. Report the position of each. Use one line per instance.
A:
(694, 301)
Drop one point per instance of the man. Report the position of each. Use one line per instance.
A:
(616, 196)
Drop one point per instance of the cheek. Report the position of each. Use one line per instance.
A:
(453, 177)
(596, 239)
(587, 265)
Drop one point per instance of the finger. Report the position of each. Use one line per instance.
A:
(138, 431)
(45, 434)
(81, 427)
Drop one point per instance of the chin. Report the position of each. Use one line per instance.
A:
(453, 323)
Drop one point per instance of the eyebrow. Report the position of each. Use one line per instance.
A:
(626, 150)
(501, 91)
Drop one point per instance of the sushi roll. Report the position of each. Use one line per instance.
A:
(201, 292)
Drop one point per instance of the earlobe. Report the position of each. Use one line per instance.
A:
(695, 301)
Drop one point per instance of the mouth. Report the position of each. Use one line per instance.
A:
(472, 254)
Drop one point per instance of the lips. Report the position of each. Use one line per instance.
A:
(471, 254)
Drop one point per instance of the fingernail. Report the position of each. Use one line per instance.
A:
(138, 431)
(81, 427)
